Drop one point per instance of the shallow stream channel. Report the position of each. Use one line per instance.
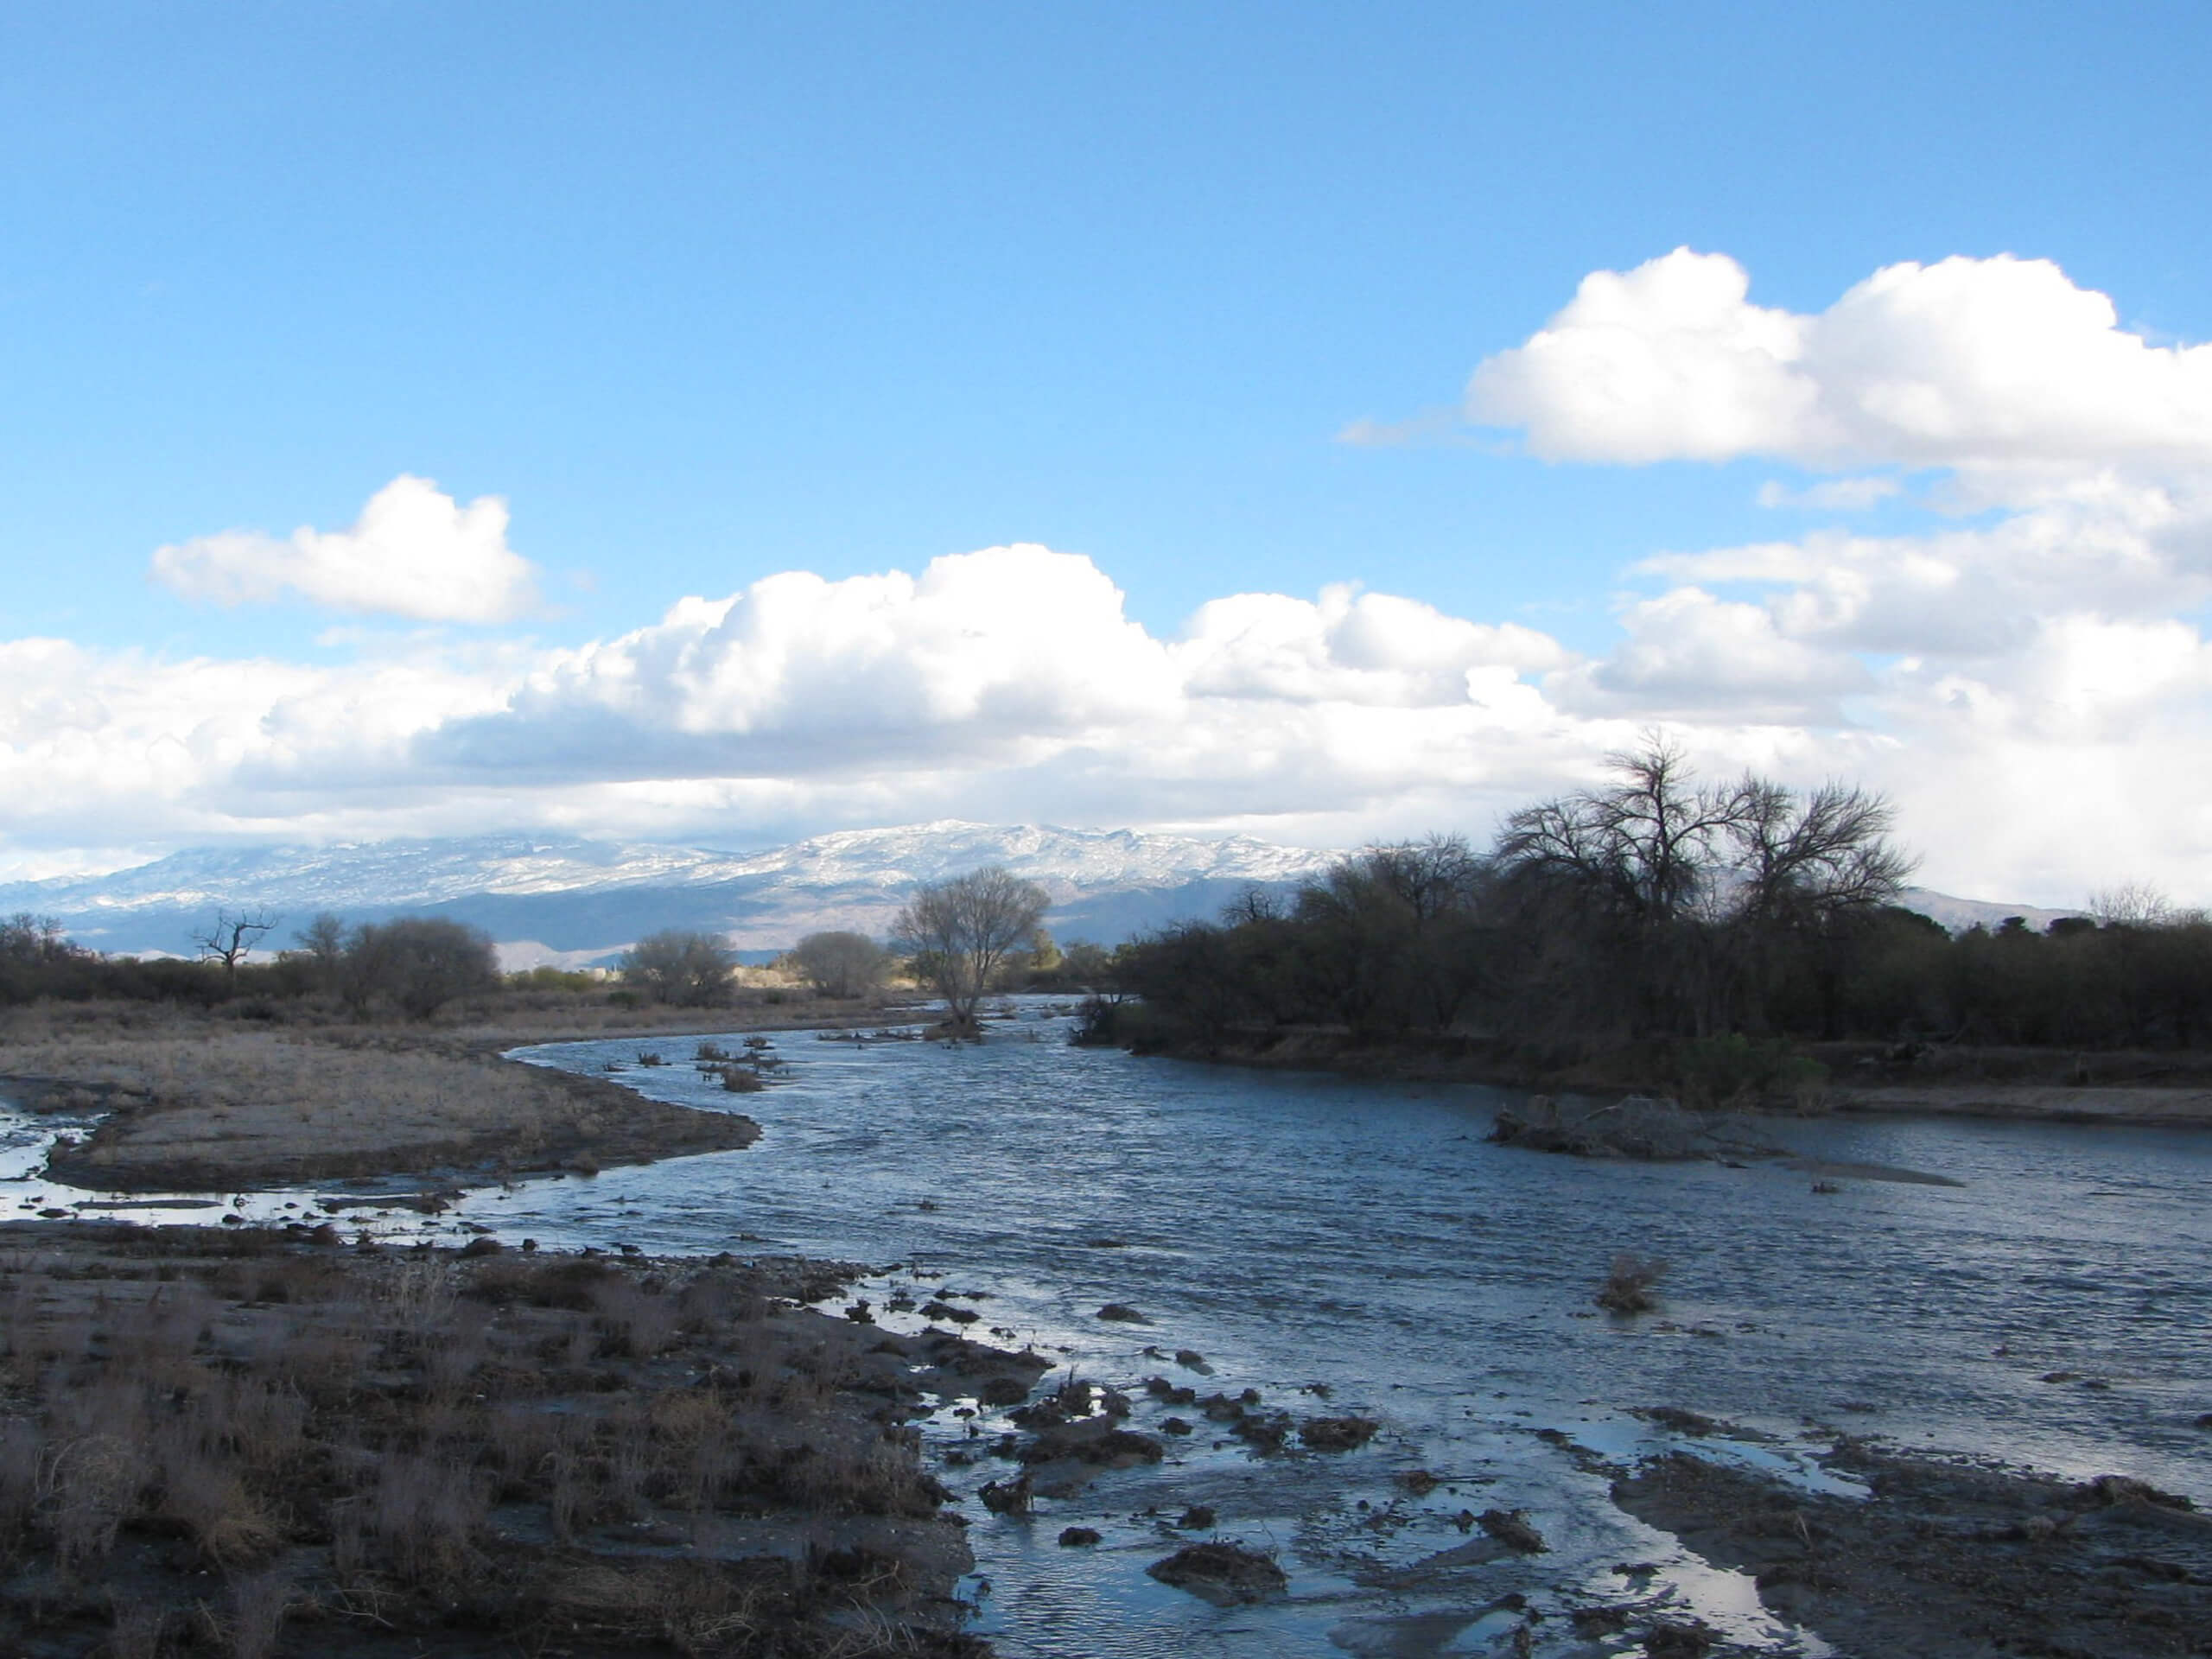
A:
(1359, 1249)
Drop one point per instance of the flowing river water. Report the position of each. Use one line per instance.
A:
(1359, 1248)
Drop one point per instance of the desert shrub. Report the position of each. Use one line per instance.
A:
(1736, 1070)
(417, 963)
(838, 964)
(426, 1516)
(551, 979)
(686, 969)
(1099, 1022)
(259, 1602)
(634, 1322)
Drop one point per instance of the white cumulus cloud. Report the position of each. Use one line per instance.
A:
(1011, 684)
(1993, 364)
(415, 552)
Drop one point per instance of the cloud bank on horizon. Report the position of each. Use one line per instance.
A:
(2025, 670)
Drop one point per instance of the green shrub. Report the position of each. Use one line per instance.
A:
(1740, 1072)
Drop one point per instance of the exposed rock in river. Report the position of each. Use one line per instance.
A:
(1639, 1126)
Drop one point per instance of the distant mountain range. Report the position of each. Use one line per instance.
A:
(1959, 914)
(570, 901)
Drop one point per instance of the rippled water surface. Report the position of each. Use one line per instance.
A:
(1305, 1233)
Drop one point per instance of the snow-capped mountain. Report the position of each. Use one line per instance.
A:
(1959, 914)
(569, 899)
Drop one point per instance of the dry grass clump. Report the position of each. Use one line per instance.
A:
(760, 1000)
(1629, 1284)
(407, 1442)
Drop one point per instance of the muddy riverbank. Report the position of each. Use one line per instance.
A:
(1944, 1561)
(2139, 1090)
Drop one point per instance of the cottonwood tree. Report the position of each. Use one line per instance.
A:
(839, 963)
(687, 969)
(960, 931)
(417, 963)
(28, 939)
(1395, 930)
(231, 938)
(322, 942)
(1668, 899)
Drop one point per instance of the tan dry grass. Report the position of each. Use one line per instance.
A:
(152, 1456)
(216, 1105)
(248, 1092)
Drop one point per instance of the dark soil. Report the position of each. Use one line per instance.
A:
(1946, 1562)
(1224, 1573)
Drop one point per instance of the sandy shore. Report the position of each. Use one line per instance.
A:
(235, 1440)
(2140, 1105)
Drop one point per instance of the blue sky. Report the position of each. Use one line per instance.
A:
(706, 293)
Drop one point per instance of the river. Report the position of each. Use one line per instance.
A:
(1359, 1248)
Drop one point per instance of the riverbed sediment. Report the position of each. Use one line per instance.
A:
(1945, 1560)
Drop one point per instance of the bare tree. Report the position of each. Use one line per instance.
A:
(28, 939)
(840, 964)
(1806, 858)
(961, 931)
(231, 938)
(1255, 902)
(322, 941)
(1650, 845)
(2131, 904)
(689, 969)
(1675, 895)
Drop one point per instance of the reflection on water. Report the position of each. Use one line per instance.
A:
(1360, 1245)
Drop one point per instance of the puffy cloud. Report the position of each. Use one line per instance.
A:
(1006, 647)
(415, 552)
(1011, 684)
(1008, 682)
(1999, 363)
(1665, 362)
(1689, 654)
(1349, 647)
(98, 748)
(2075, 762)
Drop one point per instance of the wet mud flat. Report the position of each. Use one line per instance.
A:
(265, 1442)
(1875, 1553)
(1944, 1561)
